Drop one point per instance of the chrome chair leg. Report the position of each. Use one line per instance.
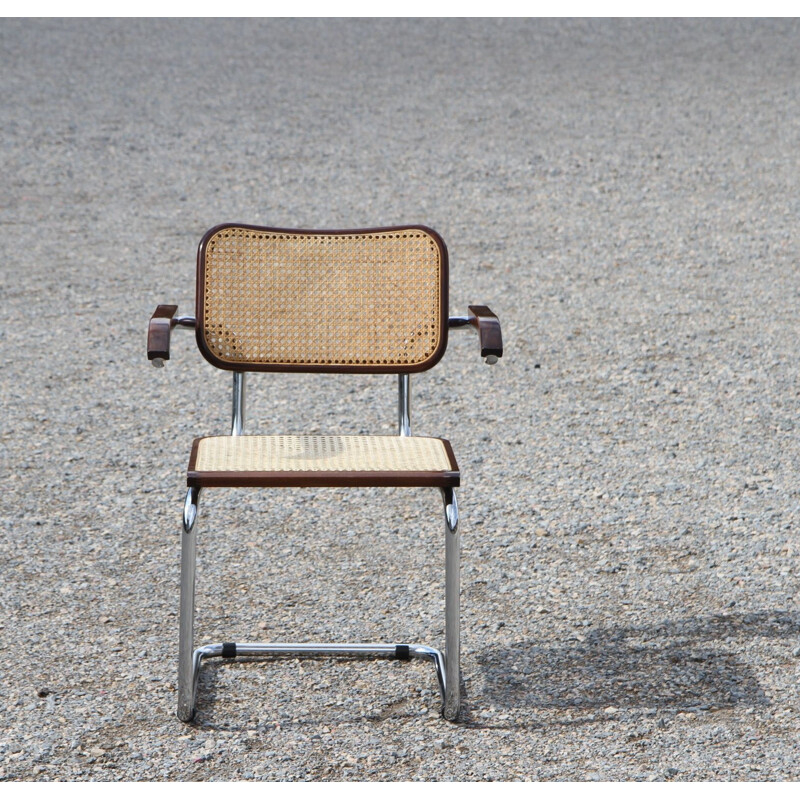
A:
(452, 654)
(187, 675)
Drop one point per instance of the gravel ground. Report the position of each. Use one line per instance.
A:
(624, 195)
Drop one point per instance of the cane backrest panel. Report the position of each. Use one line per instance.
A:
(322, 301)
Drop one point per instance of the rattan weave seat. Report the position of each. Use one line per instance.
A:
(370, 301)
(322, 461)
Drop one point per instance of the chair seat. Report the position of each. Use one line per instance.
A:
(322, 461)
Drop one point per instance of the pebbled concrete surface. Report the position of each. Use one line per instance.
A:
(623, 194)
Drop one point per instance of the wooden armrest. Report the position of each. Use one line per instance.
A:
(488, 325)
(158, 333)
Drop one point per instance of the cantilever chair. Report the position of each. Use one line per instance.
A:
(354, 301)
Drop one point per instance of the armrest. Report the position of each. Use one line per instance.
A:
(158, 332)
(488, 326)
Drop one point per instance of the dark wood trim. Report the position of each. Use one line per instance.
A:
(237, 366)
(451, 456)
(321, 479)
(488, 326)
(193, 454)
(158, 332)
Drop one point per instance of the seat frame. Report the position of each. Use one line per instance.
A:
(446, 662)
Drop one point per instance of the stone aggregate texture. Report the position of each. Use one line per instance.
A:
(623, 194)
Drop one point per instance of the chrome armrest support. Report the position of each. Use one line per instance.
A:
(162, 322)
(488, 326)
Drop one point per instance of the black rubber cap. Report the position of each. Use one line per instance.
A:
(229, 649)
(401, 652)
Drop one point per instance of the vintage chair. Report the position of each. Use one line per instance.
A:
(357, 301)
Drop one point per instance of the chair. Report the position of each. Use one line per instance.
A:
(352, 301)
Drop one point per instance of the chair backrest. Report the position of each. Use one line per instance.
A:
(371, 300)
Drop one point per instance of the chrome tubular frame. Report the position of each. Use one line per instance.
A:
(187, 674)
(237, 414)
(404, 404)
(447, 664)
(452, 612)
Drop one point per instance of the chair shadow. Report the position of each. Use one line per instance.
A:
(688, 664)
(683, 665)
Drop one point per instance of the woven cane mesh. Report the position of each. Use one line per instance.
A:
(322, 299)
(321, 454)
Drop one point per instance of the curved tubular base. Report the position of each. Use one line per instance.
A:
(314, 650)
(447, 663)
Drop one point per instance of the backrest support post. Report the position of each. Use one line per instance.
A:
(237, 416)
(404, 404)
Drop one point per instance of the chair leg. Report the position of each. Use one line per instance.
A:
(187, 684)
(452, 695)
